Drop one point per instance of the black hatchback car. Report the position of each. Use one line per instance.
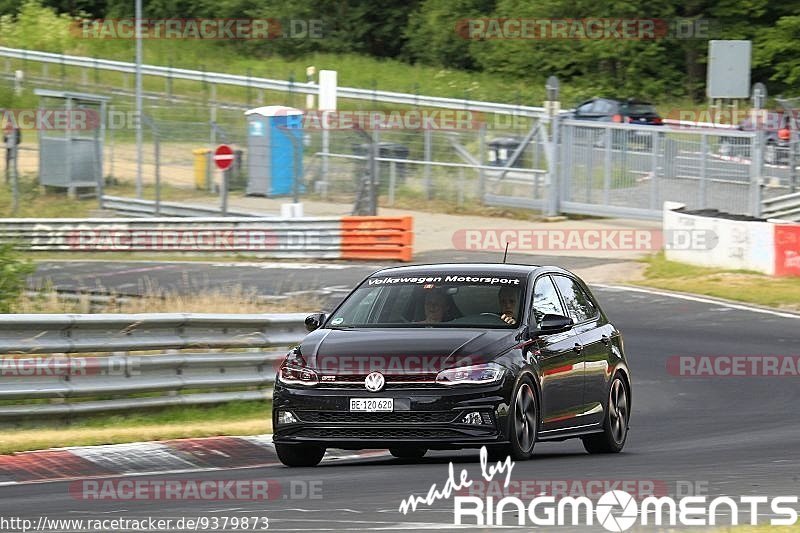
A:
(628, 111)
(455, 356)
(605, 110)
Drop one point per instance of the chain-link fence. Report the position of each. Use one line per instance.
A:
(565, 165)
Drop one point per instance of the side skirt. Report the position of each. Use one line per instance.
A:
(569, 433)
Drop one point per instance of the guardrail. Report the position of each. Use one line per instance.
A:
(76, 385)
(327, 238)
(273, 85)
(784, 207)
(136, 206)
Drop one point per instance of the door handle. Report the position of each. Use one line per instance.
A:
(606, 340)
(577, 348)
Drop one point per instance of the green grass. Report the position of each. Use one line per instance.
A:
(353, 71)
(737, 285)
(234, 418)
(36, 201)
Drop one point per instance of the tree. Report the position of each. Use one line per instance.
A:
(435, 32)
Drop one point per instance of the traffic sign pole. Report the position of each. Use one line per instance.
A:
(223, 159)
(224, 192)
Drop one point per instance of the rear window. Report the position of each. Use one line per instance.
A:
(435, 300)
(640, 109)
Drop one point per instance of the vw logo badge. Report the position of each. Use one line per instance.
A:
(374, 382)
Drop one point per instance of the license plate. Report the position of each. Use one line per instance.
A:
(372, 405)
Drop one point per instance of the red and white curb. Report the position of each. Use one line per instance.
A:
(141, 458)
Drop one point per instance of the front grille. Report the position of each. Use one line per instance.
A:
(396, 417)
(390, 378)
(360, 385)
(377, 433)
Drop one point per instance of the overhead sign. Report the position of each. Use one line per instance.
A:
(223, 157)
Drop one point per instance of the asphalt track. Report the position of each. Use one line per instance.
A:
(331, 281)
(731, 436)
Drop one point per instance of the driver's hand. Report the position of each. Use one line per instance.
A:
(508, 319)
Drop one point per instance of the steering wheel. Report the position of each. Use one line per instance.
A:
(500, 318)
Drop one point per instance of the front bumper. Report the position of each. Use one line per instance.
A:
(430, 416)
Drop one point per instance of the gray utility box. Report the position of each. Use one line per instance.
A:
(274, 151)
(71, 128)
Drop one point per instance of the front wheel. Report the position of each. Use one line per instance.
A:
(523, 423)
(299, 454)
(615, 428)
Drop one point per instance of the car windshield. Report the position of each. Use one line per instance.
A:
(444, 301)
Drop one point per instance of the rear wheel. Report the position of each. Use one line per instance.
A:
(409, 452)
(299, 454)
(615, 430)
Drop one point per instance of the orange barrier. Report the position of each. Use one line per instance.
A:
(377, 238)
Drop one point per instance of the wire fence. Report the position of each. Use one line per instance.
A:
(499, 159)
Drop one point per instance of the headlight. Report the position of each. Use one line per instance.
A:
(476, 374)
(290, 375)
(293, 371)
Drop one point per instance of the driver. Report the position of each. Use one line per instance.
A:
(509, 304)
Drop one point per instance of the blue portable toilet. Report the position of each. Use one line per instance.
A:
(275, 150)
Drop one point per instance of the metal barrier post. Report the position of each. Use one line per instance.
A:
(607, 168)
(157, 155)
(654, 182)
(482, 162)
(426, 169)
(755, 175)
(703, 169)
(11, 161)
(555, 169)
(374, 178)
(392, 181)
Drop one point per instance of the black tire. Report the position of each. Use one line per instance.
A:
(523, 423)
(615, 426)
(409, 452)
(299, 454)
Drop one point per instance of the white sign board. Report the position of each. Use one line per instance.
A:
(728, 74)
(327, 90)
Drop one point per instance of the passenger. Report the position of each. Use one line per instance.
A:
(509, 304)
(439, 307)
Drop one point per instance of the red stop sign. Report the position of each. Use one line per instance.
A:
(223, 157)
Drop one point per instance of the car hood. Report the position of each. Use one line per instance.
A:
(402, 350)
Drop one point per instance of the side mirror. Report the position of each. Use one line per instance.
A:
(314, 321)
(551, 324)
